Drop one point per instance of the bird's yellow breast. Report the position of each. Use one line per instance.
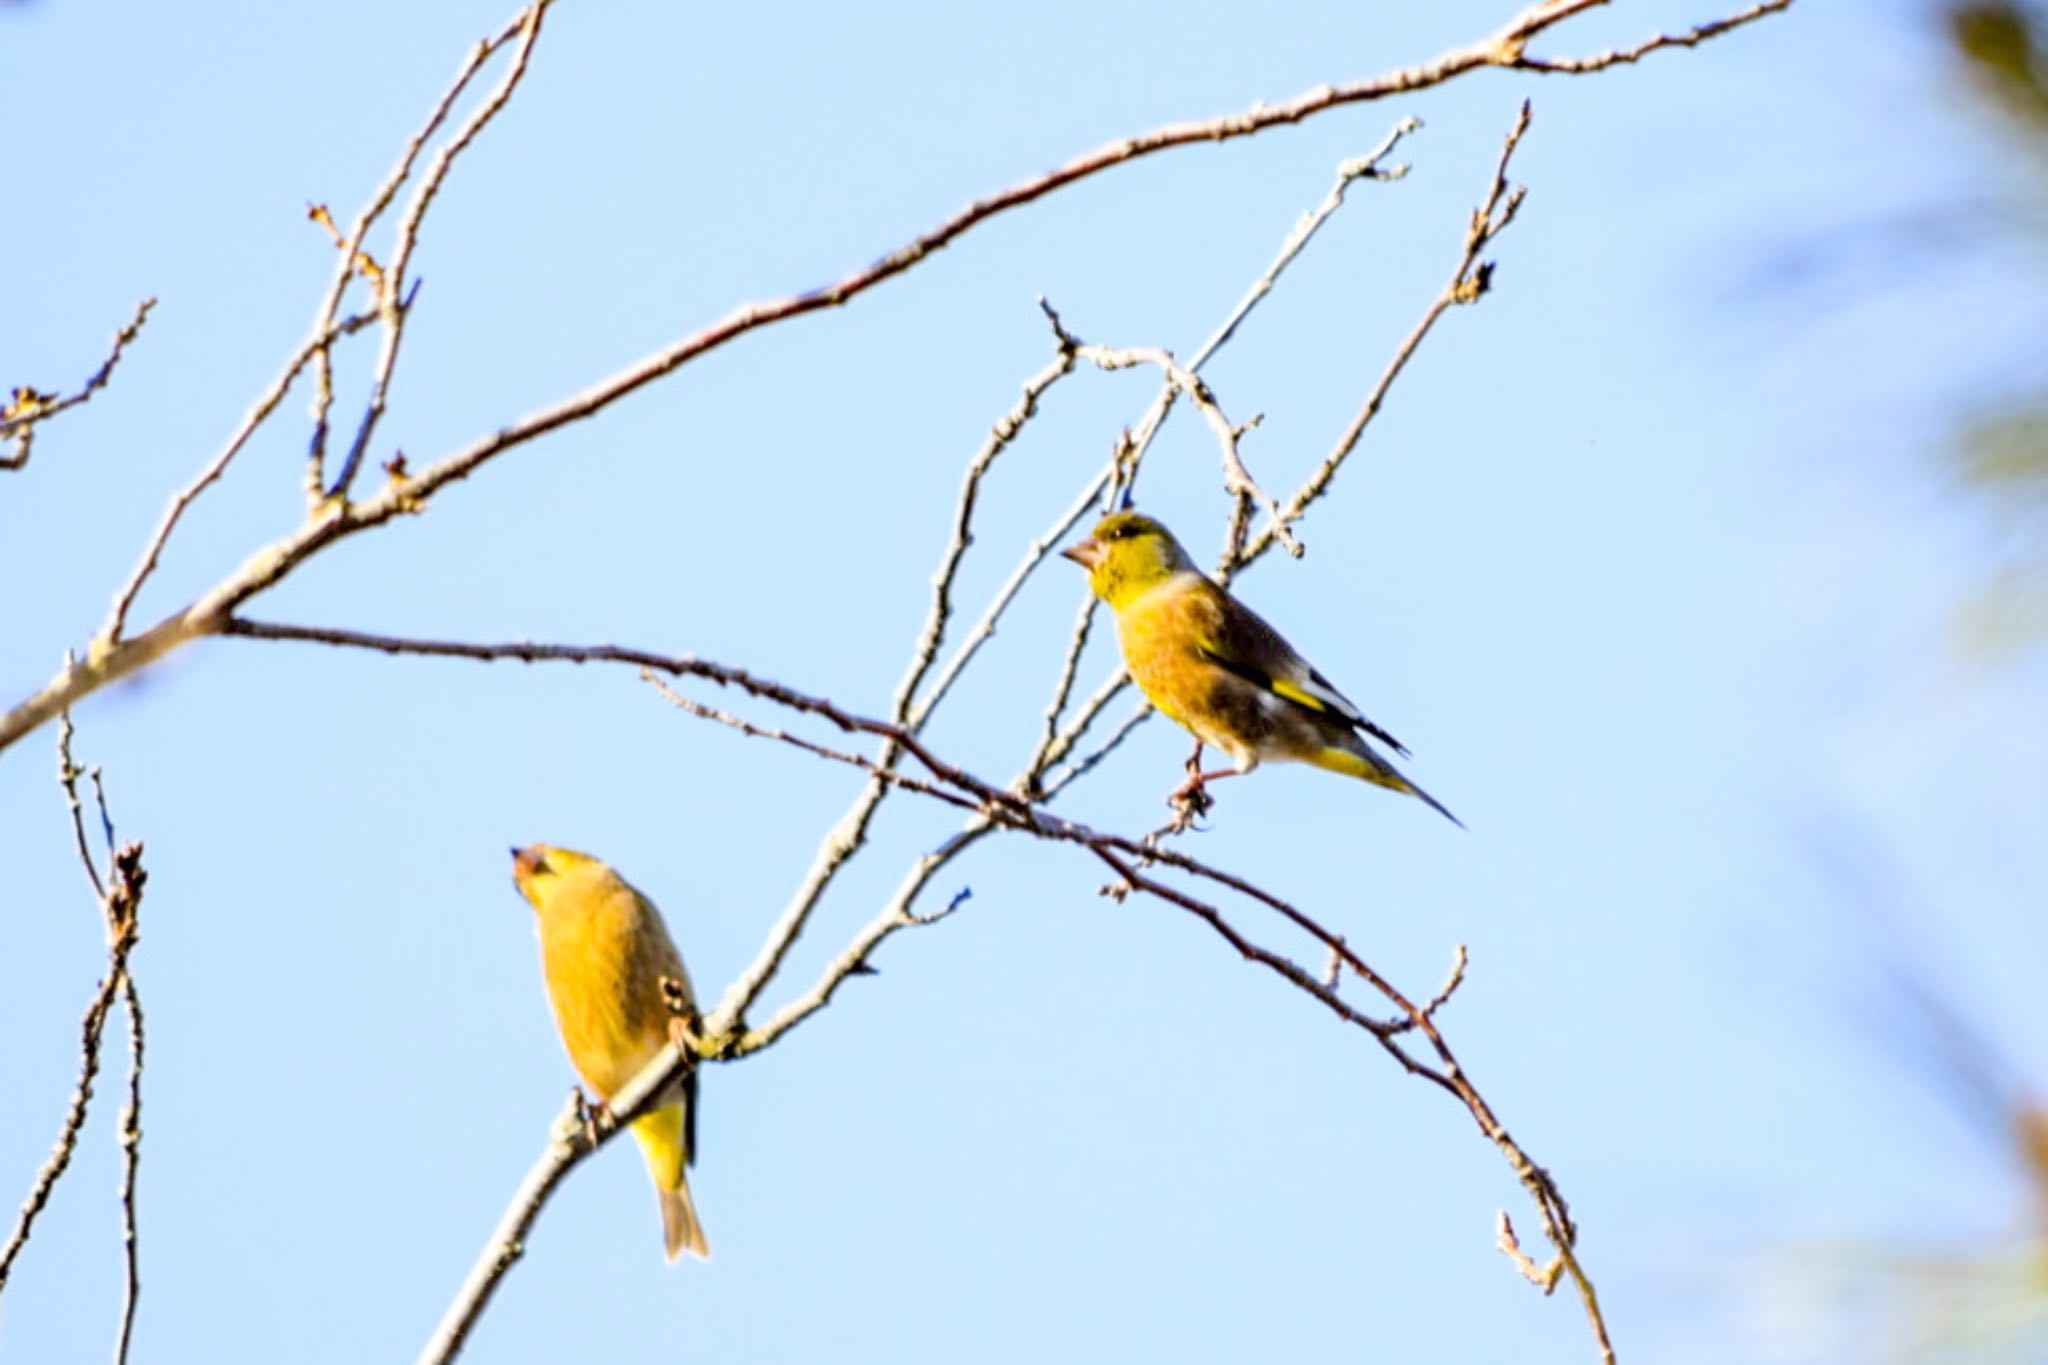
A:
(1162, 633)
(604, 952)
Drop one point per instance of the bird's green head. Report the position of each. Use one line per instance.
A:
(538, 869)
(1127, 555)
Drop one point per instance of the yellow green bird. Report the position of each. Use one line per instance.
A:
(1210, 663)
(605, 954)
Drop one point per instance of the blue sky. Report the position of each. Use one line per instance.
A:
(1647, 561)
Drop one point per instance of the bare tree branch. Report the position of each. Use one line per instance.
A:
(722, 1038)
(848, 834)
(119, 907)
(575, 1135)
(354, 261)
(394, 301)
(1139, 865)
(1136, 442)
(68, 773)
(1600, 61)
(131, 1160)
(120, 904)
(113, 657)
(26, 409)
(1468, 283)
(259, 412)
(1124, 465)
(1237, 480)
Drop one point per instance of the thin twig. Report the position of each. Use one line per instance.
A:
(1135, 442)
(1545, 1277)
(849, 832)
(112, 658)
(1062, 689)
(351, 247)
(1468, 282)
(999, 438)
(131, 1160)
(1365, 167)
(1692, 37)
(258, 413)
(120, 904)
(722, 1039)
(1125, 855)
(1470, 279)
(1504, 47)
(394, 300)
(1238, 483)
(886, 776)
(26, 409)
(1087, 763)
(68, 773)
(1451, 983)
(1035, 554)
(572, 1138)
(212, 612)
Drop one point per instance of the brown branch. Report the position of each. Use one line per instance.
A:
(1123, 469)
(26, 409)
(393, 298)
(727, 1034)
(1468, 283)
(1004, 806)
(68, 773)
(1088, 762)
(1238, 483)
(214, 613)
(105, 644)
(112, 657)
(120, 904)
(849, 832)
(131, 1160)
(895, 915)
(1544, 1277)
(1062, 689)
(120, 911)
(1035, 554)
(1470, 279)
(1005, 809)
(1451, 983)
(351, 247)
(1133, 444)
(1504, 47)
(575, 1135)
(1005, 430)
(1693, 37)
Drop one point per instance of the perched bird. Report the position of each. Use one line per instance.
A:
(1209, 662)
(605, 954)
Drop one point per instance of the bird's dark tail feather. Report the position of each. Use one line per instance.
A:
(1363, 763)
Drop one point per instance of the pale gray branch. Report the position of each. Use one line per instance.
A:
(26, 409)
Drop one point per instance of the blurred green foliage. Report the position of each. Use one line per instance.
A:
(2002, 452)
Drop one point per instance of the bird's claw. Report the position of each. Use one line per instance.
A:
(1191, 799)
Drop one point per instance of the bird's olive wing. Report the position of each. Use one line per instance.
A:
(1239, 640)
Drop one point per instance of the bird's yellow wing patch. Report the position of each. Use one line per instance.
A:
(1241, 641)
(1305, 697)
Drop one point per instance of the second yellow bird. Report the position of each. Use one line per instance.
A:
(605, 952)
(1210, 663)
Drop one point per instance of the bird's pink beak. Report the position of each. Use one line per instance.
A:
(1086, 553)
